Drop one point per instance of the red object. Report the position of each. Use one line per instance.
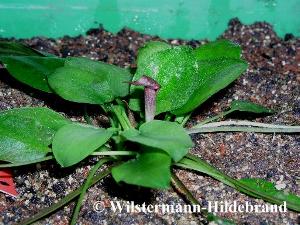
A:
(7, 184)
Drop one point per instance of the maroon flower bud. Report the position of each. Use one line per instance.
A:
(151, 89)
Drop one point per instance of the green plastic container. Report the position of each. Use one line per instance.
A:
(190, 19)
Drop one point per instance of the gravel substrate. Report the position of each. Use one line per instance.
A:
(273, 80)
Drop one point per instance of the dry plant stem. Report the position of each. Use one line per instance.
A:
(183, 189)
(243, 126)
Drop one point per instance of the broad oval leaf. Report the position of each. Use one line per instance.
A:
(216, 50)
(144, 56)
(145, 53)
(246, 106)
(175, 69)
(32, 70)
(17, 49)
(86, 81)
(167, 136)
(150, 169)
(74, 142)
(216, 75)
(219, 65)
(187, 76)
(26, 133)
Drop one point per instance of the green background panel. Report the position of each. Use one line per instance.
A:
(190, 19)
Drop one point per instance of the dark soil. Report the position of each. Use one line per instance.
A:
(273, 80)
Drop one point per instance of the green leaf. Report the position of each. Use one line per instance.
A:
(248, 187)
(237, 105)
(150, 169)
(74, 142)
(242, 126)
(152, 47)
(246, 106)
(32, 70)
(203, 167)
(87, 81)
(219, 65)
(175, 69)
(167, 136)
(221, 49)
(269, 189)
(17, 49)
(187, 77)
(87, 184)
(144, 56)
(121, 114)
(216, 75)
(26, 133)
(136, 102)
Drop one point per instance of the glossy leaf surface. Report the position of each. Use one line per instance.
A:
(86, 81)
(175, 69)
(74, 142)
(17, 49)
(26, 133)
(150, 169)
(219, 65)
(32, 70)
(188, 77)
(167, 136)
